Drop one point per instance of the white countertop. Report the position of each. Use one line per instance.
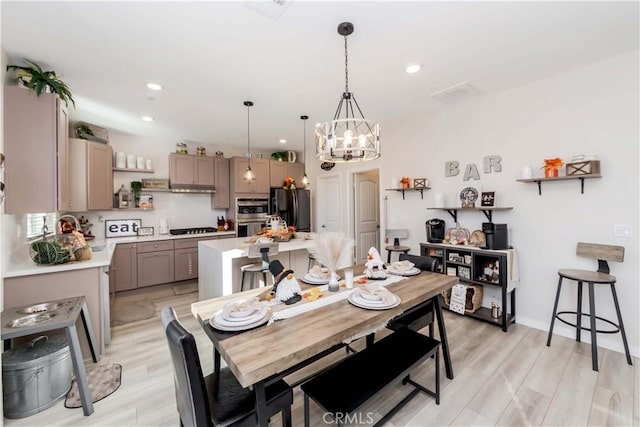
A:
(22, 265)
(240, 245)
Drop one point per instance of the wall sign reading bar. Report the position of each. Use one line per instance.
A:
(121, 227)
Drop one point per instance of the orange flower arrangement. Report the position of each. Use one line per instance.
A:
(289, 183)
(406, 182)
(551, 166)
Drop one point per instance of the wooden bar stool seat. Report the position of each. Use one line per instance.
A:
(602, 253)
(262, 251)
(396, 235)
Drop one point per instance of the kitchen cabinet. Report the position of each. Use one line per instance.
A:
(189, 170)
(479, 267)
(186, 259)
(125, 267)
(90, 175)
(260, 168)
(155, 263)
(278, 171)
(36, 149)
(222, 198)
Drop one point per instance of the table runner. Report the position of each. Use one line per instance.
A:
(282, 311)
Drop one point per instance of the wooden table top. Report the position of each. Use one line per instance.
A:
(257, 354)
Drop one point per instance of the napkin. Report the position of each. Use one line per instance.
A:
(402, 266)
(372, 289)
(245, 304)
(319, 272)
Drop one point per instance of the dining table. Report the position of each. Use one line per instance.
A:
(261, 355)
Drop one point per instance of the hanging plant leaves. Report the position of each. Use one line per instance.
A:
(327, 166)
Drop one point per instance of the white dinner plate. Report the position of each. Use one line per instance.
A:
(372, 305)
(414, 271)
(312, 280)
(218, 322)
(255, 314)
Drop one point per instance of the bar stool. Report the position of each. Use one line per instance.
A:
(602, 253)
(396, 235)
(262, 251)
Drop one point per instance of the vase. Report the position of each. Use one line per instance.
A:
(333, 282)
(551, 173)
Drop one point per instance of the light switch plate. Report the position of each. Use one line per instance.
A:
(622, 230)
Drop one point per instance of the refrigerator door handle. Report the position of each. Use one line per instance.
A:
(295, 208)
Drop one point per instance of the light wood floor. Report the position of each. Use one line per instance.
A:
(501, 379)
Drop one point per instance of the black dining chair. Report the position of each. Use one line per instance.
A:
(217, 399)
(422, 315)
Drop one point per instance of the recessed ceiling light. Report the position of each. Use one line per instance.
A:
(147, 118)
(154, 86)
(413, 68)
(283, 141)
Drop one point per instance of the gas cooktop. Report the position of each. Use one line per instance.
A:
(195, 230)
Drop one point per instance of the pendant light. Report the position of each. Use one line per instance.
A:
(248, 173)
(305, 179)
(351, 138)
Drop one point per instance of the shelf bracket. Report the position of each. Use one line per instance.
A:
(488, 214)
(402, 191)
(454, 214)
(581, 185)
(539, 187)
(421, 193)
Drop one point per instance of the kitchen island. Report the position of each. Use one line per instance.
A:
(219, 263)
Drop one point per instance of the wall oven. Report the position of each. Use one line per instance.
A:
(251, 215)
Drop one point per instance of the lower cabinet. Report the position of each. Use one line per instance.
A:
(155, 263)
(125, 267)
(186, 259)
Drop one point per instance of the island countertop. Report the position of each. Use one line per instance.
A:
(219, 262)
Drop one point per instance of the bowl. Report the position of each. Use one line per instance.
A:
(370, 297)
(243, 313)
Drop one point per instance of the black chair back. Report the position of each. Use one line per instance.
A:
(425, 263)
(191, 393)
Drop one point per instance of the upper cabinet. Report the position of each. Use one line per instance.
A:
(280, 170)
(36, 148)
(190, 170)
(260, 168)
(90, 175)
(222, 198)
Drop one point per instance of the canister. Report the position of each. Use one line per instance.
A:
(131, 161)
(140, 164)
(121, 160)
(35, 375)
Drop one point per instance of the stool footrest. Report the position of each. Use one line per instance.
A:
(602, 331)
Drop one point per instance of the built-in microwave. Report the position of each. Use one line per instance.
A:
(251, 209)
(246, 229)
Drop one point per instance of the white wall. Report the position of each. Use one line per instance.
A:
(593, 109)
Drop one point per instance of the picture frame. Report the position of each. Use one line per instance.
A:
(488, 199)
(464, 273)
(145, 201)
(145, 231)
(121, 227)
(420, 183)
(451, 271)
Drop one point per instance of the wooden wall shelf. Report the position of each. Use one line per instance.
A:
(133, 170)
(402, 190)
(539, 181)
(486, 210)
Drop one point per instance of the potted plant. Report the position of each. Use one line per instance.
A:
(279, 155)
(35, 78)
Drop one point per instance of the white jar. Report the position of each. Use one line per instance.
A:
(131, 161)
(140, 163)
(121, 160)
(149, 164)
(527, 172)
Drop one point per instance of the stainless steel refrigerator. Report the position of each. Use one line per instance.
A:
(293, 206)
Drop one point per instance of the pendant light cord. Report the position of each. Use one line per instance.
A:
(248, 134)
(304, 144)
(346, 66)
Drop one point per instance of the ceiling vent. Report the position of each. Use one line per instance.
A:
(456, 93)
(271, 9)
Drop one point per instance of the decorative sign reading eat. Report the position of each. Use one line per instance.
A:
(121, 227)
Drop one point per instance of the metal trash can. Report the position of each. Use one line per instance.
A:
(35, 375)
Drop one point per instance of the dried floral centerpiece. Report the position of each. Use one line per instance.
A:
(551, 167)
(328, 249)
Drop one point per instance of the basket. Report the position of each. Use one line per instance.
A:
(473, 300)
(587, 167)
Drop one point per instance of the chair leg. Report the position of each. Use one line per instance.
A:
(286, 417)
(252, 280)
(592, 317)
(242, 281)
(555, 309)
(620, 325)
(264, 277)
(579, 313)
(306, 410)
(437, 376)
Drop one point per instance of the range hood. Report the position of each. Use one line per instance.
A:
(182, 188)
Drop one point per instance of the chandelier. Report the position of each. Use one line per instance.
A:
(248, 173)
(347, 138)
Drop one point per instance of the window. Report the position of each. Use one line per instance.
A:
(37, 220)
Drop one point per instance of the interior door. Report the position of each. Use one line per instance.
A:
(329, 204)
(366, 213)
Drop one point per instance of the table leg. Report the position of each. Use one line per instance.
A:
(216, 360)
(88, 329)
(261, 404)
(78, 369)
(443, 336)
